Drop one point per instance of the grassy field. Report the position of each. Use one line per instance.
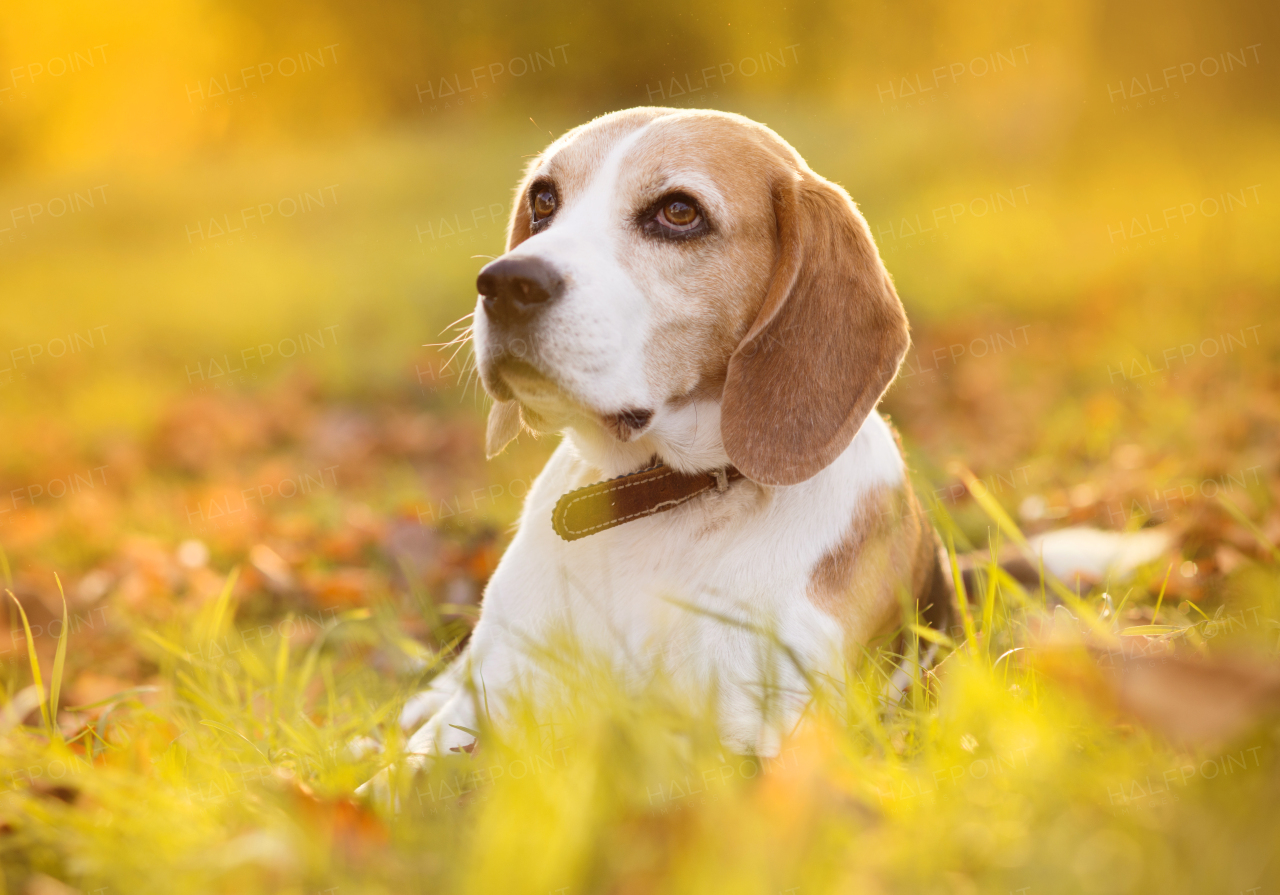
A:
(1039, 756)
(268, 507)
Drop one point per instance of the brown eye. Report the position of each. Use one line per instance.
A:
(544, 204)
(679, 214)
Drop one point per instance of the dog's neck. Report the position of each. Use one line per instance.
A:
(685, 437)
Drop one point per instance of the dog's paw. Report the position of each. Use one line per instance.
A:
(380, 789)
(452, 729)
(420, 707)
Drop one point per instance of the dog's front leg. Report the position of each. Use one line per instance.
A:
(471, 693)
(451, 729)
(450, 708)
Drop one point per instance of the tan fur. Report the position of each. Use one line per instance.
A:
(889, 552)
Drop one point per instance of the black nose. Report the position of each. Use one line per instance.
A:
(515, 289)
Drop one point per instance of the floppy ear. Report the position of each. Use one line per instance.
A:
(824, 347)
(504, 416)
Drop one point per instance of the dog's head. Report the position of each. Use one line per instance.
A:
(658, 257)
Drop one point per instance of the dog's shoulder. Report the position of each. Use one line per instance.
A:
(887, 550)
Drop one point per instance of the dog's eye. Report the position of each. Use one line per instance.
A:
(680, 214)
(544, 204)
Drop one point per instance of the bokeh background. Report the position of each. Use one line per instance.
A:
(231, 234)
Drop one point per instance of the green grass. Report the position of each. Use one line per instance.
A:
(1016, 764)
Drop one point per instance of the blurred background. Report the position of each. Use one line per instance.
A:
(230, 233)
(233, 237)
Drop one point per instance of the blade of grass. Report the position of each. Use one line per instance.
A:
(330, 689)
(1199, 610)
(8, 583)
(1120, 606)
(167, 645)
(926, 633)
(791, 654)
(308, 669)
(989, 599)
(98, 730)
(220, 605)
(1160, 599)
(281, 675)
(911, 648)
(282, 653)
(35, 663)
(59, 662)
(962, 598)
(1149, 630)
(231, 730)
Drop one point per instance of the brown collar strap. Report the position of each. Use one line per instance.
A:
(633, 496)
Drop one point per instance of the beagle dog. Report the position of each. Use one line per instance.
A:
(710, 325)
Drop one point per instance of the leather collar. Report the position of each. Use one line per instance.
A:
(614, 502)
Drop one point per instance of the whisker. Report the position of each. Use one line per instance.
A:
(456, 322)
(461, 345)
(461, 339)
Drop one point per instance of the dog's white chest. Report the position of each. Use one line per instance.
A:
(713, 590)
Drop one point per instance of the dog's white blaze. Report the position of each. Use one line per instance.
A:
(592, 341)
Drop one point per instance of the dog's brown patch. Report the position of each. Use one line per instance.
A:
(888, 551)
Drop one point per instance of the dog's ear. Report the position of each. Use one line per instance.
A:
(504, 426)
(823, 348)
